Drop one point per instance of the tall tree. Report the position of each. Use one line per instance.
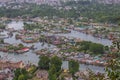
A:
(52, 73)
(97, 48)
(57, 62)
(73, 66)
(20, 74)
(44, 62)
(113, 71)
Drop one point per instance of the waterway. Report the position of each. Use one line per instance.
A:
(87, 37)
(31, 57)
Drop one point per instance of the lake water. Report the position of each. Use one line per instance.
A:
(87, 37)
(31, 57)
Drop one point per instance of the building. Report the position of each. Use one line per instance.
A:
(8, 64)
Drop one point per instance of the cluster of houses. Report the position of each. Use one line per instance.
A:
(55, 40)
(11, 48)
(7, 67)
(28, 38)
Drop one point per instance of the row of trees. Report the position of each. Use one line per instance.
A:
(98, 12)
(89, 47)
(32, 26)
(20, 74)
(54, 64)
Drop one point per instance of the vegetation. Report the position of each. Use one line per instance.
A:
(53, 66)
(1, 41)
(84, 46)
(97, 12)
(44, 62)
(11, 47)
(32, 26)
(20, 74)
(93, 48)
(57, 62)
(73, 66)
(114, 72)
(2, 26)
(52, 73)
(88, 10)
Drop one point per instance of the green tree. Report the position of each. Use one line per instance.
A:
(21, 77)
(96, 48)
(52, 73)
(84, 45)
(20, 74)
(2, 26)
(73, 66)
(44, 62)
(2, 41)
(113, 71)
(57, 62)
(116, 44)
(21, 46)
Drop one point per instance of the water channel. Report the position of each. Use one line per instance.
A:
(31, 57)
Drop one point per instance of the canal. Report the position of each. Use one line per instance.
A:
(31, 57)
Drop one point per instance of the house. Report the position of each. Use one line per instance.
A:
(8, 64)
(66, 75)
(42, 75)
(2, 76)
(25, 49)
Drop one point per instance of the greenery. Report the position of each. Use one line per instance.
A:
(93, 48)
(55, 68)
(11, 47)
(32, 26)
(44, 62)
(2, 26)
(97, 12)
(57, 62)
(20, 74)
(73, 66)
(84, 46)
(114, 72)
(1, 41)
(96, 48)
(52, 73)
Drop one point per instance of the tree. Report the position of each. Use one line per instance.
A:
(20, 74)
(21, 77)
(57, 62)
(2, 41)
(2, 26)
(73, 66)
(52, 73)
(21, 46)
(116, 44)
(84, 45)
(44, 62)
(97, 48)
(113, 71)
